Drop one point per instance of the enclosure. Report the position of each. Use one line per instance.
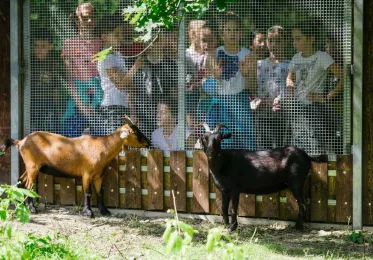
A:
(173, 90)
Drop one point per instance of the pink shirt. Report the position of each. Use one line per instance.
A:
(80, 53)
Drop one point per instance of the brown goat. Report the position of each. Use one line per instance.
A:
(85, 156)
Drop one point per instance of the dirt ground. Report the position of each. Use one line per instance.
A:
(132, 237)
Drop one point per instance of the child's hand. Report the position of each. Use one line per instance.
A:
(332, 94)
(248, 64)
(139, 62)
(316, 97)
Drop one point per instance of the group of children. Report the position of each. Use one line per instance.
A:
(264, 99)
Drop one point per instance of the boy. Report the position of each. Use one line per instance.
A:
(45, 85)
(115, 79)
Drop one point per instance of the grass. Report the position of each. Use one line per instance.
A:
(133, 237)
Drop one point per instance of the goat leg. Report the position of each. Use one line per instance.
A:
(298, 194)
(235, 200)
(87, 211)
(225, 207)
(100, 197)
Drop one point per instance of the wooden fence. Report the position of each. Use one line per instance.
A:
(144, 180)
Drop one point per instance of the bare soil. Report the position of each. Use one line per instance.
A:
(132, 237)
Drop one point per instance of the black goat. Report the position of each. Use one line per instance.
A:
(255, 172)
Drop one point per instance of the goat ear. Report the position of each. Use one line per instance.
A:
(128, 120)
(226, 136)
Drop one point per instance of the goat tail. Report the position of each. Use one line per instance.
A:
(319, 159)
(8, 143)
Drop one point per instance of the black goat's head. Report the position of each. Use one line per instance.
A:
(211, 140)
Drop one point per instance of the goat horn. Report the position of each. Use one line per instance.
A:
(128, 120)
(206, 126)
(217, 128)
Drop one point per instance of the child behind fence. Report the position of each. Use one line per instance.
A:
(307, 83)
(235, 67)
(272, 126)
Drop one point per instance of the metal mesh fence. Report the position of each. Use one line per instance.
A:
(275, 73)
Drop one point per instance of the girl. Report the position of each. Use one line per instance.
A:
(272, 72)
(258, 45)
(306, 82)
(82, 75)
(235, 66)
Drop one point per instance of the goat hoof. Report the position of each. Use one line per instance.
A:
(232, 227)
(105, 212)
(298, 226)
(33, 210)
(88, 213)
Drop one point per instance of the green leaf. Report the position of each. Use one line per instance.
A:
(186, 228)
(167, 233)
(136, 17)
(23, 213)
(29, 193)
(2, 153)
(3, 214)
(102, 54)
(210, 244)
(175, 243)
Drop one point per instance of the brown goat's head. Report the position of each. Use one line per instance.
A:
(132, 136)
(211, 140)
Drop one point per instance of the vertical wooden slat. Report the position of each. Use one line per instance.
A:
(178, 179)
(291, 205)
(246, 207)
(200, 183)
(111, 184)
(344, 188)
(45, 188)
(319, 192)
(271, 205)
(155, 180)
(132, 180)
(67, 191)
(122, 160)
(331, 192)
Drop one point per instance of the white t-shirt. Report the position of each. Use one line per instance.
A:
(160, 142)
(272, 78)
(112, 95)
(232, 81)
(310, 74)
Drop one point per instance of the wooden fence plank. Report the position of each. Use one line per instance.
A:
(132, 180)
(246, 207)
(122, 160)
(200, 183)
(319, 192)
(111, 184)
(291, 205)
(155, 180)
(45, 188)
(271, 205)
(344, 189)
(332, 192)
(67, 191)
(178, 179)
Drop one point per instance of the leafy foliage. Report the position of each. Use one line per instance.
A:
(357, 237)
(178, 236)
(15, 196)
(17, 245)
(149, 15)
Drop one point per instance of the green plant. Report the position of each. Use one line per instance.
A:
(15, 197)
(357, 237)
(178, 235)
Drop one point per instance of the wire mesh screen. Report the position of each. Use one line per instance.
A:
(275, 73)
